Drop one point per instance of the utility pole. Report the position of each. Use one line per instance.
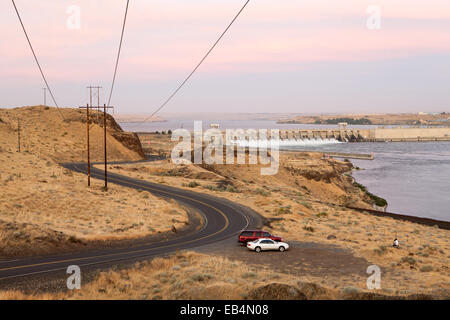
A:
(89, 106)
(18, 134)
(45, 96)
(88, 146)
(104, 144)
(98, 98)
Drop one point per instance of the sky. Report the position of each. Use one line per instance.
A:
(299, 56)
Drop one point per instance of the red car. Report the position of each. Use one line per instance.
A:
(251, 235)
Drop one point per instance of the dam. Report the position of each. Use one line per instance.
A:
(343, 133)
(380, 134)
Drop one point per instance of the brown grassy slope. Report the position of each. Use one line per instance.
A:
(183, 276)
(190, 275)
(44, 207)
(44, 132)
(306, 201)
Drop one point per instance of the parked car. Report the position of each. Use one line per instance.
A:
(265, 244)
(252, 235)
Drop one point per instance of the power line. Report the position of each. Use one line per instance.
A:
(198, 65)
(36, 59)
(118, 53)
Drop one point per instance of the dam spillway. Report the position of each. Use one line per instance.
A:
(398, 134)
(317, 136)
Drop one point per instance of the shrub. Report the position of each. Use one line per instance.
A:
(193, 184)
(308, 228)
(201, 277)
(248, 275)
(409, 260)
(380, 250)
(68, 173)
(350, 290)
(307, 205)
(230, 188)
(284, 210)
(170, 173)
(211, 187)
(378, 201)
(322, 214)
(262, 192)
(426, 268)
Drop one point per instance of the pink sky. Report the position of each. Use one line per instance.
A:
(165, 38)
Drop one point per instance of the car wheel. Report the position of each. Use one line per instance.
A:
(281, 249)
(258, 249)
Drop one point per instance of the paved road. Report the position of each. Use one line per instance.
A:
(223, 220)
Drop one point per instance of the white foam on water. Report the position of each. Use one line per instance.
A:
(284, 143)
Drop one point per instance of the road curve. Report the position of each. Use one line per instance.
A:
(223, 219)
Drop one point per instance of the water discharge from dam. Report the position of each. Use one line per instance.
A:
(283, 143)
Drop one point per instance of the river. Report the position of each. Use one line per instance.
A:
(414, 177)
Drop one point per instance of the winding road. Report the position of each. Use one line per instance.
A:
(222, 220)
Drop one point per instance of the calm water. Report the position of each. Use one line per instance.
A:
(414, 177)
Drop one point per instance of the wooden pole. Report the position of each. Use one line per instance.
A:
(104, 143)
(88, 147)
(18, 134)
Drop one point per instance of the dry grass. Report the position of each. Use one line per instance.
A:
(44, 207)
(185, 275)
(189, 275)
(304, 200)
(45, 133)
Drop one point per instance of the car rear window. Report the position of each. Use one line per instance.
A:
(246, 234)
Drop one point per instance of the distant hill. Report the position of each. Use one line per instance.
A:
(45, 132)
(137, 118)
(376, 119)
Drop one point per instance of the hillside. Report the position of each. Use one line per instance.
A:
(46, 208)
(307, 201)
(44, 131)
